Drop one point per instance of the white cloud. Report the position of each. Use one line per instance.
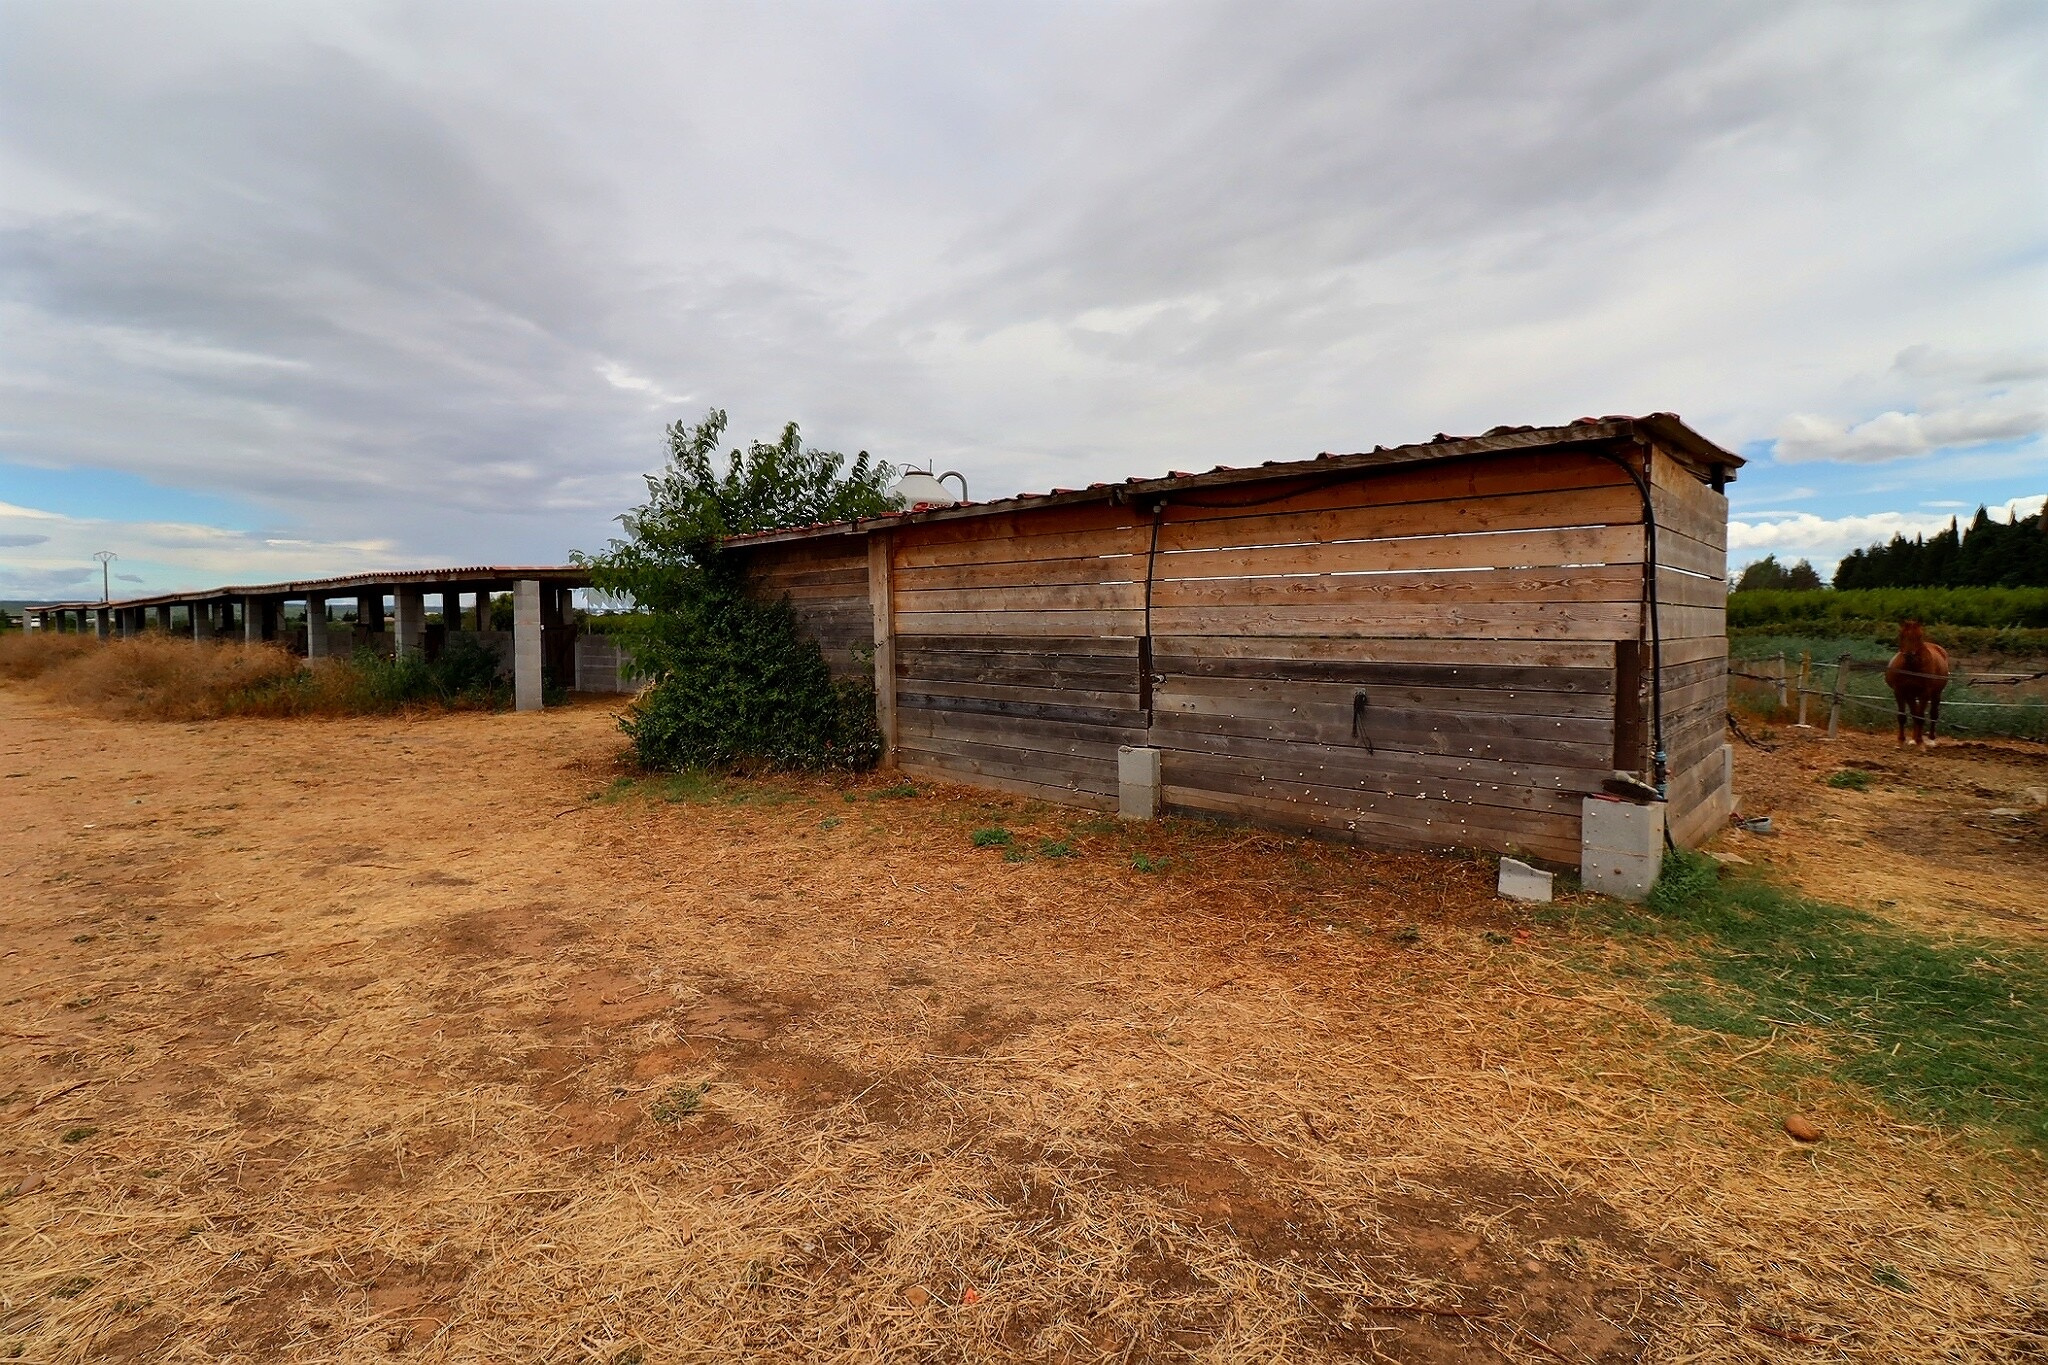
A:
(1824, 540)
(435, 276)
(2004, 416)
(54, 558)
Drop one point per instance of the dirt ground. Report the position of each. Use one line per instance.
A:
(354, 1040)
(1948, 839)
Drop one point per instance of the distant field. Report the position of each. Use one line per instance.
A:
(2000, 622)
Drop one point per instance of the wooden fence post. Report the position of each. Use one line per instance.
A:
(1781, 680)
(879, 561)
(1805, 684)
(1835, 700)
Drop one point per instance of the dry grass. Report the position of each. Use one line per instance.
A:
(154, 677)
(30, 654)
(384, 1053)
(162, 677)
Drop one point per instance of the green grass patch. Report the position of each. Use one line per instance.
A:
(1850, 779)
(1150, 862)
(1947, 1029)
(1055, 848)
(995, 836)
(900, 791)
(676, 1103)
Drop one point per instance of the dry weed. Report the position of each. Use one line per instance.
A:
(30, 654)
(160, 677)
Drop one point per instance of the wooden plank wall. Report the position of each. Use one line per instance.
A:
(1692, 612)
(1424, 657)
(826, 581)
(1016, 644)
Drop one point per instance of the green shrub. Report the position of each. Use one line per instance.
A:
(740, 685)
(996, 837)
(736, 681)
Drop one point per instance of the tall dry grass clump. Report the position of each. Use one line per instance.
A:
(30, 654)
(159, 677)
(165, 677)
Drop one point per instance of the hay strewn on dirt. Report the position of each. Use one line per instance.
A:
(412, 1048)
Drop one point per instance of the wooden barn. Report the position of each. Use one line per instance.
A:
(1446, 644)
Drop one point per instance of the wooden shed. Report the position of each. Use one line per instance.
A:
(1444, 644)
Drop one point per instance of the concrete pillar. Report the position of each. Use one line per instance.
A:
(370, 611)
(526, 655)
(252, 620)
(483, 609)
(1621, 847)
(1137, 782)
(410, 608)
(163, 617)
(316, 628)
(451, 609)
(202, 619)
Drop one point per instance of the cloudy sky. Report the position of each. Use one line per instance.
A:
(313, 287)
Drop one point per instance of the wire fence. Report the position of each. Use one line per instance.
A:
(1803, 682)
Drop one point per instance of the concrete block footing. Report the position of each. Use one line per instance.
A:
(1521, 882)
(1621, 847)
(1137, 782)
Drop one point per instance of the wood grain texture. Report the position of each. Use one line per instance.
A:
(1418, 655)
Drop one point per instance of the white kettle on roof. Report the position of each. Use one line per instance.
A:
(922, 488)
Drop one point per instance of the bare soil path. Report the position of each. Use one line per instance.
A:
(354, 1040)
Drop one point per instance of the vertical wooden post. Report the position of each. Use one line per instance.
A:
(879, 564)
(1805, 685)
(1781, 680)
(1835, 700)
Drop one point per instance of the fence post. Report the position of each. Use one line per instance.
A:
(1835, 701)
(1805, 679)
(1781, 680)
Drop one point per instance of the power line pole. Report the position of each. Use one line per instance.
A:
(106, 557)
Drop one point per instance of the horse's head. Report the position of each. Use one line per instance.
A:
(1910, 637)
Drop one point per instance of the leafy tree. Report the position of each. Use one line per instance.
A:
(735, 681)
(1803, 577)
(1761, 575)
(1767, 574)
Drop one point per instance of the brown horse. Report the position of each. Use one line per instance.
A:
(1917, 677)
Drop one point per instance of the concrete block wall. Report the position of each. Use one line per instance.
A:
(601, 666)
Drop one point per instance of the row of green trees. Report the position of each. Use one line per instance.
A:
(1986, 554)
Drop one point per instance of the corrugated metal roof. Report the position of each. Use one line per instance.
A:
(1695, 449)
